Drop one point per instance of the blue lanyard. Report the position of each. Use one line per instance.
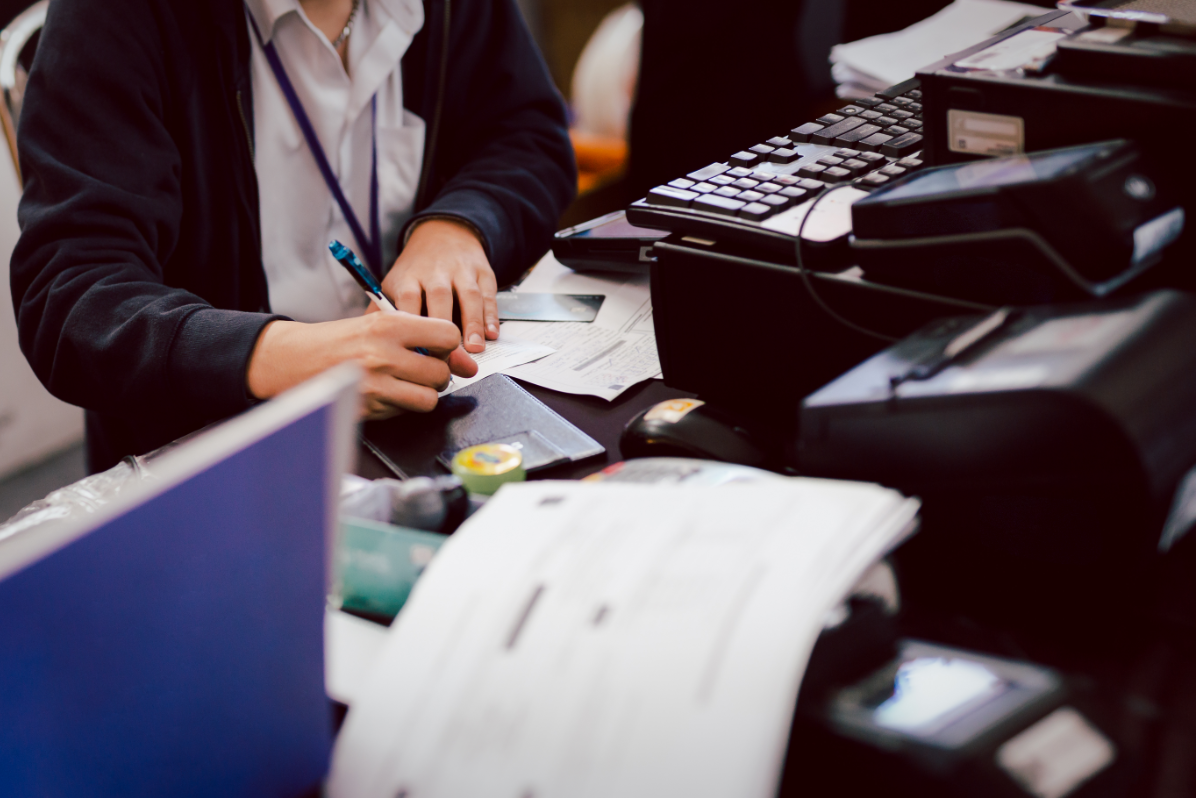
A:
(371, 245)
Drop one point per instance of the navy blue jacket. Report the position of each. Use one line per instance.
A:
(137, 280)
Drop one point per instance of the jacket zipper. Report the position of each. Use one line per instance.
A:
(434, 130)
(245, 126)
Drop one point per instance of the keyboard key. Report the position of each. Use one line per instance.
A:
(896, 130)
(867, 102)
(756, 196)
(849, 110)
(915, 107)
(884, 121)
(762, 176)
(778, 201)
(916, 94)
(884, 108)
(856, 166)
(902, 145)
(743, 158)
(708, 172)
(783, 155)
(893, 170)
(829, 119)
(675, 197)
(804, 132)
(911, 163)
(845, 153)
(873, 158)
(784, 180)
(703, 188)
(830, 160)
(746, 182)
(811, 170)
(829, 134)
(756, 211)
(871, 115)
(912, 124)
(727, 191)
(874, 142)
(712, 203)
(722, 180)
(837, 174)
(899, 115)
(861, 132)
(682, 183)
(794, 193)
(764, 149)
(738, 172)
(768, 188)
(812, 186)
(874, 180)
(901, 102)
(779, 142)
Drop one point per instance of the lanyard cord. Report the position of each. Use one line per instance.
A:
(371, 245)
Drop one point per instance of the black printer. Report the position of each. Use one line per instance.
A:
(1045, 443)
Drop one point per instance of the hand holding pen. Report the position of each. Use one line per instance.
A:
(365, 278)
(407, 359)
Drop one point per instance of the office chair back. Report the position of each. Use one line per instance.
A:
(17, 44)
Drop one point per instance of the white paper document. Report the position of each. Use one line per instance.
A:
(601, 358)
(881, 61)
(589, 360)
(499, 356)
(575, 640)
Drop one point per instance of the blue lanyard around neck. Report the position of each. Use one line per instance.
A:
(371, 245)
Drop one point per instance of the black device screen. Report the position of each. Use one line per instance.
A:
(990, 174)
(619, 228)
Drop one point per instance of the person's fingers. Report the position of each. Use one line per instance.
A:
(385, 390)
(438, 294)
(469, 297)
(489, 289)
(408, 331)
(410, 297)
(461, 364)
(416, 368)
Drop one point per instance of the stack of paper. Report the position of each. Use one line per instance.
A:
(604, 639)
(864, 67)
(601, 358)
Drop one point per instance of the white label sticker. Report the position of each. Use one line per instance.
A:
(985, 134)
(1088, 331)
(1160, 231)
(1056, 755)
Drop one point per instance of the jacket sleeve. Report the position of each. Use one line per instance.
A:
(503, 161)
(100, 216)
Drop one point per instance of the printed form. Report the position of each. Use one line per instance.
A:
(589, 639)
(601, 358)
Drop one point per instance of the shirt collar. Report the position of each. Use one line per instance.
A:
(408, 14)
(266, 14)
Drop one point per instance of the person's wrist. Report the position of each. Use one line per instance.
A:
(436, 225)
(281, 359)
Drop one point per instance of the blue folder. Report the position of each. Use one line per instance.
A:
(176, 649)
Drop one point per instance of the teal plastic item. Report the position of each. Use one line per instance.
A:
(377, 565)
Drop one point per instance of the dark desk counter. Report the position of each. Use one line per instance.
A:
(601, 420)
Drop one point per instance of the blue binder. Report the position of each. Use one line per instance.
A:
(175, 646)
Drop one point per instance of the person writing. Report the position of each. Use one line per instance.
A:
(186, 165)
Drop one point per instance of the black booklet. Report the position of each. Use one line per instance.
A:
(493, 410)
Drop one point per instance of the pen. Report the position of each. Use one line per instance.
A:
(345, 257)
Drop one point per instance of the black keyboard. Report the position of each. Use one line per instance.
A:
(760, 194)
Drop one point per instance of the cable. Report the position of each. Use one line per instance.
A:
(801, 269)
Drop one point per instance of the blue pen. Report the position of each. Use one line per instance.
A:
(346, 257)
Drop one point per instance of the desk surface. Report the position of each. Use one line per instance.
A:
(601, 420)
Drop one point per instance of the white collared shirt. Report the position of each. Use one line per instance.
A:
(299, 215)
